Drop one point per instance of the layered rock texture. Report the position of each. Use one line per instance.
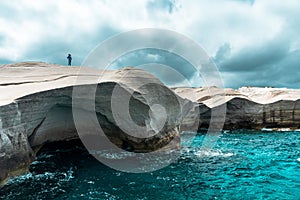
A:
(38, 102)
(248, 107)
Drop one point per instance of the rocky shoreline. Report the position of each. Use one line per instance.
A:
(248, 107)
(37, 104)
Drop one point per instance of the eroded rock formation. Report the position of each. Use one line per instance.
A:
(36, 105)
(248, 107)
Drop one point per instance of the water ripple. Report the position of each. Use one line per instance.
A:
(243, 165)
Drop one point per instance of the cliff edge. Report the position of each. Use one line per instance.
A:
(248, 107)
(38, 101)
(42, 103)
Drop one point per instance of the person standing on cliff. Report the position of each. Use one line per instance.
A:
(69, 60)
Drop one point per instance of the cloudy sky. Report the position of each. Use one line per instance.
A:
(253, 43)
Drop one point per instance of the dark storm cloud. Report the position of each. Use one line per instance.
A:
(287, 71)
(144, 56)
(271, 64)
(223, 53)
(252, 58)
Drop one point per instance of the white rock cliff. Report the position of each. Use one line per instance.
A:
(37, 107)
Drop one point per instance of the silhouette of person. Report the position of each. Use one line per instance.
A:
(69, 60)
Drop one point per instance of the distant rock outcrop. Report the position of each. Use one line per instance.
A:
(248, 107)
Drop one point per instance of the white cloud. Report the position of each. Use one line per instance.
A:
(47, 29)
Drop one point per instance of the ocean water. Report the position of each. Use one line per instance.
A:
(243, 165)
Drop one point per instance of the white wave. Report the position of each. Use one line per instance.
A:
(212, 153)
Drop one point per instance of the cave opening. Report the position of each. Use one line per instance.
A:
(60, 157)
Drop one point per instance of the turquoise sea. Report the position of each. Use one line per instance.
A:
(243, 165)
